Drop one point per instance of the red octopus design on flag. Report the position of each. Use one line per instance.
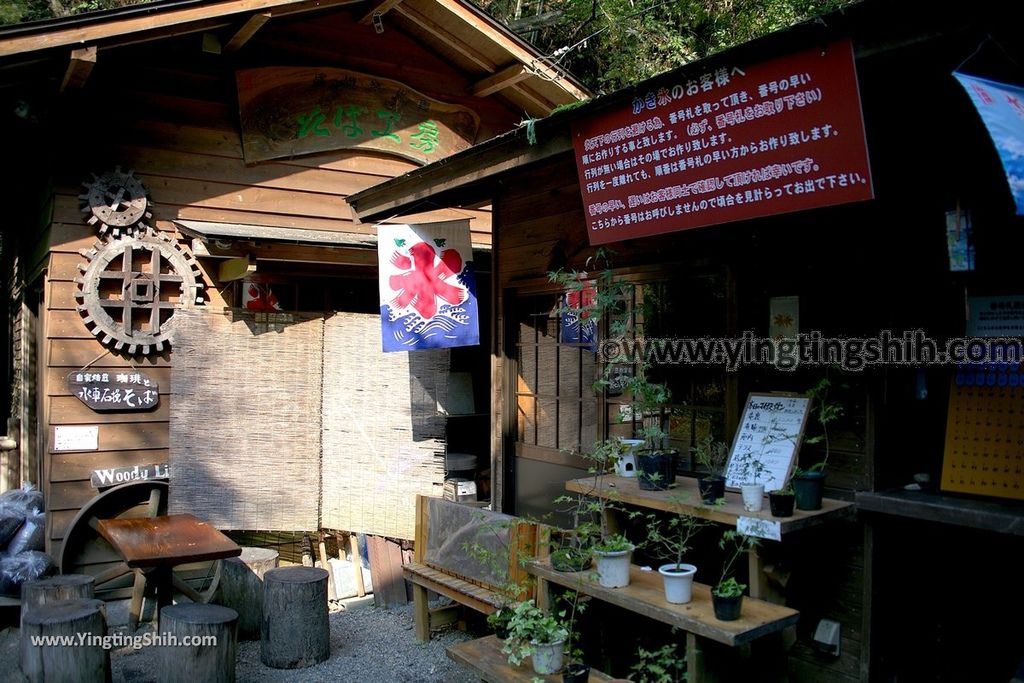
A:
(426, 279)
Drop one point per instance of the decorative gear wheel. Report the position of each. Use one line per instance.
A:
(117, 201)
(130, 288)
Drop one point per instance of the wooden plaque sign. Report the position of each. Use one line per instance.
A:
(286, 111)
(112, 476)
(105, 390)
(767, 441)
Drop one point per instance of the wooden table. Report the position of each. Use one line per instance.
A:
(685, 497)
(155, 545)
(484, 656)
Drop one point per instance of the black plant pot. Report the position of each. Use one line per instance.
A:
(711, 488)
(501, 631)
(655, 471)
(808, 487)
(576, 673)
(781, 504)
(727, 609)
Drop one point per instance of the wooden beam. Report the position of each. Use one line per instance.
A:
(253, 24)
(177, 18)
(80, 65)
(501, 80)
(288, 252)
(379, 10)
(459, 173)
(236, 268)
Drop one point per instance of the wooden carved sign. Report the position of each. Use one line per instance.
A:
(104, 390)
(287, 111)
(112, 476)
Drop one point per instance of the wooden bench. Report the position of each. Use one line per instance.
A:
(442, 565)
(484, 657)
(645, 595)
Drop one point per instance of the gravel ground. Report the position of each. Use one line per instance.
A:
(368, 645)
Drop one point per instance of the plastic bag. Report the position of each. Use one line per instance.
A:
(8, 527)
(31, 535)
(17, 569)
(27, 498)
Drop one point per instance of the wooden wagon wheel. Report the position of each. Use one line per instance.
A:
(85, 551)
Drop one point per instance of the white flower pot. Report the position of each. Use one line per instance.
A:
(678, 582)
(753, 497)
(547, 658)
(613, 568)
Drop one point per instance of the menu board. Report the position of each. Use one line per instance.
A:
(737, 141)
(766, 444)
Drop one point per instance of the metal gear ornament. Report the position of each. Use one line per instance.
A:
(131, 286)
(117, 201)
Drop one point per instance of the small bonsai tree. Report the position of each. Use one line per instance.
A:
(711, 455)
(735, 546)
(668, 538)
(825, 411)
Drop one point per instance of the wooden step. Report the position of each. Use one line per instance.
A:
(477, 597)
(645, 595)
(484, 656)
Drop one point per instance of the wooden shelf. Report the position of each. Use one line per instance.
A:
(484, 656)
(645, 595)
(685, 495)
(1005, 517)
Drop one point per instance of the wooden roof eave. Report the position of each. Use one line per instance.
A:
(466, 177)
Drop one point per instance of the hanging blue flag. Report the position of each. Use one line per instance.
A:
(1001, 107)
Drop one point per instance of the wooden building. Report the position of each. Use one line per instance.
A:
(156, 90)
(855, 269)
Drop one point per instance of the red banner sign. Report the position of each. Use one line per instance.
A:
(735, 143)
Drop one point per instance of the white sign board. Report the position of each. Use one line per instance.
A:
(767, 440)
(85, 438)
(761, 528)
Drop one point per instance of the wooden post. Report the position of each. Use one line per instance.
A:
(212, 661)
(241, 588)
(296, 632)
(72, 619)
(55, 589)
(322, 548)
(357, 564)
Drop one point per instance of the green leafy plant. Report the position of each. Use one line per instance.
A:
(664, 665)
(668, 538)
(712, 455)
(825, 410)
(528, 627)
(573, 604)
(735, 546)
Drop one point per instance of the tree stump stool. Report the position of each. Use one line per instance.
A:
(241, 588)
(71, 620)
(55, 589)
(296, 633)
(184, 659)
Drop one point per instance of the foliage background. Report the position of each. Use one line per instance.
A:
(606, 43)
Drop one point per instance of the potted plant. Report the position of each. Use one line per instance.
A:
(727, 595)
(669, 539)
(575, 671)
(751, 469)
(809, 483)
(532, 633)
(590, 513)
(655, 464)
(781, 501)
(711, 455)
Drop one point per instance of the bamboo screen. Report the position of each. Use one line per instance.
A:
(383, 441)
(245, 420)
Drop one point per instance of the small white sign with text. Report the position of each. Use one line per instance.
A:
(85, 438)
(761, 528)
